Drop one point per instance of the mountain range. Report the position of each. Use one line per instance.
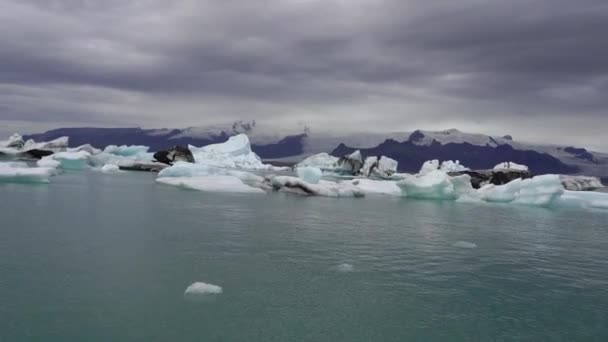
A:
(410, 149)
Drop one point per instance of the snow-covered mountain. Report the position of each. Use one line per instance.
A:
(408, 147)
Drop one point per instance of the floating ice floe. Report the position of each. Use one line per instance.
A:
(200, 288)
(21, 173)
(510, 166)
(323, 161)
(217, 183)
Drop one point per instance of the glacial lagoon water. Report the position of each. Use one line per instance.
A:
(96, 257)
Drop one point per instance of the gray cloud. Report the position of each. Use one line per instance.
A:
(533, 68)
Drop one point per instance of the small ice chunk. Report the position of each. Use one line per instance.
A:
(73, 160)
(200, 288)
(345, 268)
(465, 244)
(453, 166)
(110, 168)
(309, 174)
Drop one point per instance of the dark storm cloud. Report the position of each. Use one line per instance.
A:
(88, 61)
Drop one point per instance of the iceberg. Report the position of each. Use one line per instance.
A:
(580, 183)
(126, 151)
(429, 184)
(377, 187)
(323, 188)
(72, 160)
(309, 174)
(14, 141)
(540, 190)
(383, 168)
(21, 173)
(322, 161)
(510, 166)
(235, 153)
(445, 166)
(49, 162)
(57, 145)
(215, 183)
(583, 199)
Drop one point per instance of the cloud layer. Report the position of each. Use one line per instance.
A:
(534, 68)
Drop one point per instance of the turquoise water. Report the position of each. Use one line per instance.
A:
(95, 257)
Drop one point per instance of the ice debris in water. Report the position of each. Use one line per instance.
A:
(200, 288)
(464, 244)
(309, 174)
(345, 268)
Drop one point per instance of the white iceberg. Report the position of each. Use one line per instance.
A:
(234, 153)
(21, 173)
(583, 199)
(429, 184)
(49, 162)
(429, 166)
(453, 166)
(57, 145)
(200, 288)
(216, 183)
(322, 161)
(510, 166)
(126, 151)
(445, 166)
(540, 190)
(14, 141)
(87, 148)
(309, 174)
(323, 188)
(383, 168)
(377, 187)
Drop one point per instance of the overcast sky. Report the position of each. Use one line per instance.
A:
(536, 69)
